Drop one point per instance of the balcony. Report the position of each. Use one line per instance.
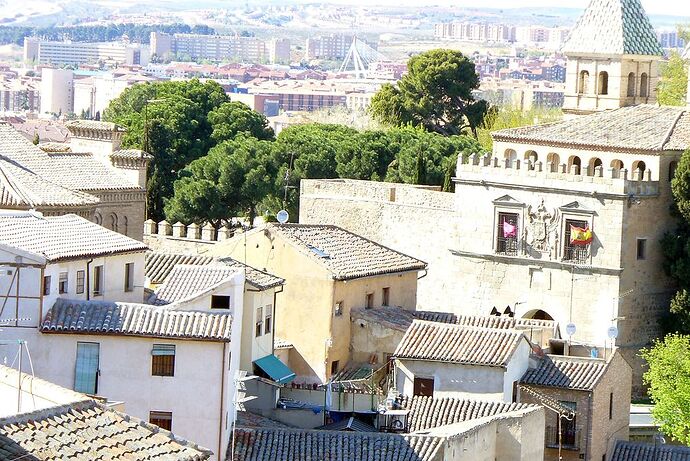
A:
(570, 438)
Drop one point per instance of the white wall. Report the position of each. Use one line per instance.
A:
(517, 366)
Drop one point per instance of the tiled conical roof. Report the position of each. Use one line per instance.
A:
(613, 27)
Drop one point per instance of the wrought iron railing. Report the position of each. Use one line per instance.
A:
(570, 438)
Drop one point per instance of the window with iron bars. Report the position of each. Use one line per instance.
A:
(578, 254)
(507, 243)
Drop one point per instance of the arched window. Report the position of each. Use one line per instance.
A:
(672, 170)
(583, 86)
(644, 85)
(603, 83)
(98, 218)
(532, 156)
(574, 160)
(511, 155)
(631, 84)
(125, 225)
(555, 160)
(639, 165)
(113, 222)
(593, 163)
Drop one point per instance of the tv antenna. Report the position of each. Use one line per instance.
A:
(286, 179)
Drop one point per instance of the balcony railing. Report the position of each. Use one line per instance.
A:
(570, 438)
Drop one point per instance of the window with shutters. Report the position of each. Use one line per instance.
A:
(163, 360)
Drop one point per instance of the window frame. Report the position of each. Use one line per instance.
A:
(63, 278)
(155, 417)
(259, 322)
(641, 249)
(98, 280)
(268, 319)
(501, 243)
(338, 309)
(214, 305)
(163, 367)
(81, 282)
(584, 256)
(129, 277)
(369, 301)
(77, 367)
(386, 296)
(418, 383)
(46, 285)
(611, 405)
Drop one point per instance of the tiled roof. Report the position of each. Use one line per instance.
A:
(86, 431)
(613, 27)
(458, 344)
(131, 153)
(248, 419)
(348, 424)
(62, 237)
(503, 322)
(639, 451)
(22, 188)
(190, 281)
(129, 319)
(566, 372)
(346, 255)
(279, 343)
(429, 412)
(94, 125)
(159, 265)
(81, 171)
(309, 445)
(638, 128)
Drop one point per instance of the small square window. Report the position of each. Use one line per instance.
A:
(641, 249)
(220, 302)
(163, 360)
(338, 309)
(46, 285)
(162, 419)
(62, 283)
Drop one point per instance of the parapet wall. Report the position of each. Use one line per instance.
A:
(573, 178)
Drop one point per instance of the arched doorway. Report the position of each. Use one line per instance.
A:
(537, 314)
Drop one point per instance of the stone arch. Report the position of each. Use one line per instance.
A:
(617, 164)
(537, 314)
(631, 84)
(531, 155)
(603, 84)
(112, 225)
(639, 164)
(555, 160)
(510, 155)
(593, 163)
(644, 85)
(574, 160)
(583, 84)
(98, 219)
(672, 167)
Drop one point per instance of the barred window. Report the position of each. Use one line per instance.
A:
(578, 254)
(163, 360)
(507, 233)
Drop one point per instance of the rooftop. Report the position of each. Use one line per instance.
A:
(644, 128)
(190, 281)
(58, 424)
(94, 125)
(346, 255)
(579, 373)
(613, 27)
(62, 237)
(159, 266)
(640, 451)
(130, 319)
(458, 344)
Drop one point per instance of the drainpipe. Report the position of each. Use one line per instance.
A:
(88, 279)
(222, 402)
(275, 322)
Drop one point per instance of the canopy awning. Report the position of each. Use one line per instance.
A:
(277, 370)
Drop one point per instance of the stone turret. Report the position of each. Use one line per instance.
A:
(613, 58)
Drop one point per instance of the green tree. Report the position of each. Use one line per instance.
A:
(231, 180)
(170, 120)
(232, 118)
(436, 93)
(668, 378)
(36, 139)
(673, 83)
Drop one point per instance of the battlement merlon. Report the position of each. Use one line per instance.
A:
(489, 170)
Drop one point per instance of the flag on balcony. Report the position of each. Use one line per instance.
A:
(580, 236)
(509, 230)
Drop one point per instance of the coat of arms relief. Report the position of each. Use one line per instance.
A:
(541, 228)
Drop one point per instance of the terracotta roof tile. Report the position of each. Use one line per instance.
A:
(458, 344)
(578, 373)
(346, 255)
(130, 319)
(189, 281)
(63, 237)
(638, 128)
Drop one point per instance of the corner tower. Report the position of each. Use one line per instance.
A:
(613, 58)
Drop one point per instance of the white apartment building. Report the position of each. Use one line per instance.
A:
(213, 47)
(57, 91)
(330, 47)
(75, 53)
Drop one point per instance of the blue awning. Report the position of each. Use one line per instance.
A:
(276, 369)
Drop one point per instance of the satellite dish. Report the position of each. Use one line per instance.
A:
(570, 329)
(282, 216)
(612, 332)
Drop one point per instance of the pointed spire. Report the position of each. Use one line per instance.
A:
(618, 27)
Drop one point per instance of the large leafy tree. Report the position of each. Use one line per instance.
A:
(230, 181)
(232, 118)
(436, 94)
(673, 84)
(668, 378)
(170, 120)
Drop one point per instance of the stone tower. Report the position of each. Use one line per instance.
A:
(613, 58)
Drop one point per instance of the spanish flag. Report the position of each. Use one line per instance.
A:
(579, 236)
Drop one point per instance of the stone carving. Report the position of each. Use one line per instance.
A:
(541, 224)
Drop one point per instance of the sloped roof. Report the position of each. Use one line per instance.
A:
(579, 373)
(640, 451)
(255, 444)
(429, 412)
(131, 153)
(63, 237)
(642, 128)
(348, 424)
(94, 125)
(613, 27)
(130, 319)
(22, 188)
(188, 281)
(159, 265)
(458, 344)
(346, 255)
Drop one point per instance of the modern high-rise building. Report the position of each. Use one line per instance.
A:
(215, 47)
(57, 88)
(279, 51)
(75, 53)
(331, 47)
